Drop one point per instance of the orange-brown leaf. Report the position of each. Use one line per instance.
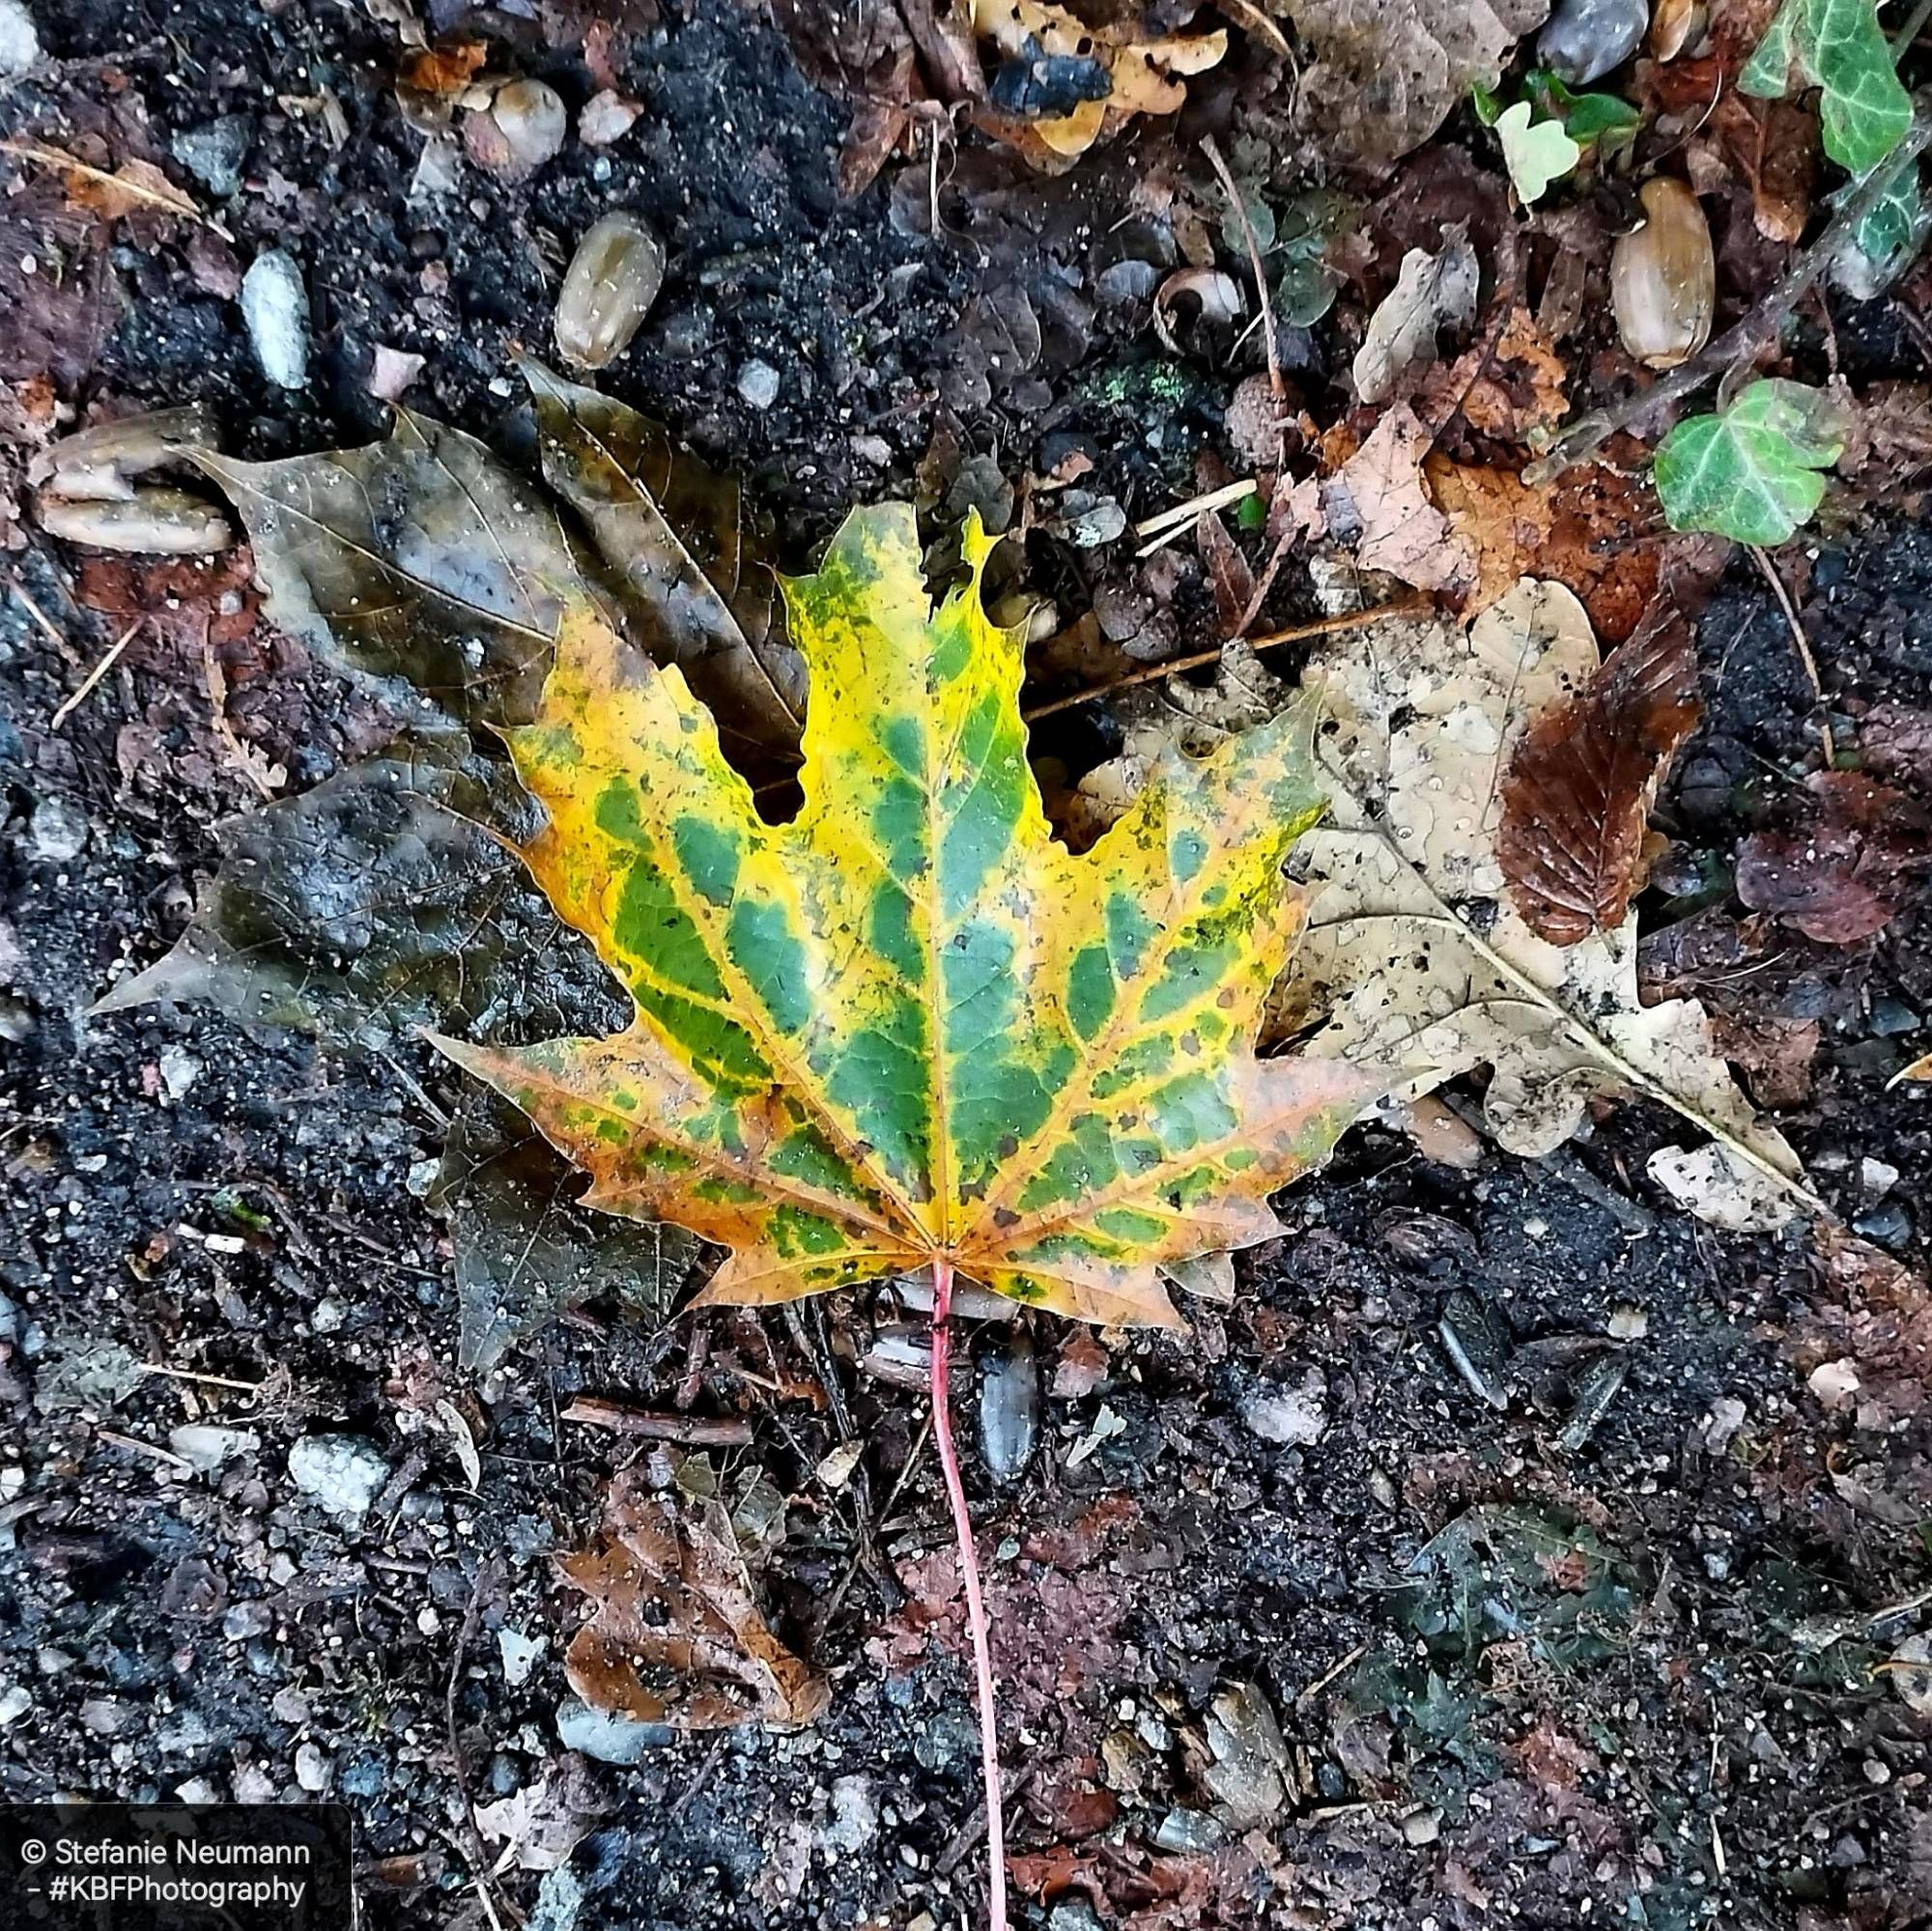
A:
(1579, 786)
(675, 1636)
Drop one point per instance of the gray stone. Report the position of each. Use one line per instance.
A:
(758, 384)
(274, 304)
(1009, 1405)
(1291, 1417)
(315, 1772)
(1890, 1225)
(19, 41)
(207, 1447)
(108, 1717)
(342, 1473)
(57, 830)
(213, 153)
(1586, 39)
(1421, 1827)
(855, 1816)
(607, 1737)
(1182, 1830)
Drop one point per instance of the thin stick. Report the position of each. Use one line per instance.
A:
(93, 676)
(1181, 515)
(1589, 433)
(691, 1431)
(1407, 607)
(976, 1606)
(1276, 387)
(1803, 644)
(1909, 31)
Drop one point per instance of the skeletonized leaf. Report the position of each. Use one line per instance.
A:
(1413, 949)
(524, 1247)
(1750, 472)
(908, 1025)
(691, 569)
(675, 1636)
(1580, 782)
(419, 559)
(1838, 48)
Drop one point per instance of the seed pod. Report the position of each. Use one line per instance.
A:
(1675, 25)
(168, 522)
(101, 461)
(531, 118)
(613, 280)
(1663, 278)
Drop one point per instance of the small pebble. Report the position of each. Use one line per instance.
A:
(179, 1070)
(1586, 39)
(274, 304)
(340, 1472)
(1892, 1017)
(607, 1737)
(213, 153)
(1876, 1177)
(15, 1702)
(314, 1771)
(1009, 1405)
(208, 1447)
(1291, 1417)
(1421, 1827)
(609, 287)
(19, 41)
(532, 117)
(758, 384)
(607, 117)
(1890, 1225)
(56, 831)
(519, 1653)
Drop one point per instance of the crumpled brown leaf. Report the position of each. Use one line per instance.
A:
(1388, 73)
(1433, 291)
(541, 1825)
(1579, 786)
(1402, 531)
(1842, 866)
(672, 1602)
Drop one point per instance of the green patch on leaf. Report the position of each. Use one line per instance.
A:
(1753, 471)
(1837, 46)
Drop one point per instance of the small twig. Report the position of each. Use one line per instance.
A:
(38, 615)
(137, 1446)
(1589, 433)
(1407, 607)
(1276, 387)
(1910, 28)
(246, 759)
(689, 1431)
(486, 1573)
(207, 1381)
(93, 676)
(1802, 645)
(1182, 515)
(975, 1604)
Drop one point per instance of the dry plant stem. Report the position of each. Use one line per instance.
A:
(1803, 644)
(975, 1604)
(1171, 667)
(1635, 413)
(93, 676)
(1276, 385)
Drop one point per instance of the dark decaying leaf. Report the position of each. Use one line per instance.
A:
(1843, 864)
(690, 567)
(525, 1248)
(1579, 786)
(1895, 742)
(1229, 575)
(380, 901)
(675, 1636)
(419, 559)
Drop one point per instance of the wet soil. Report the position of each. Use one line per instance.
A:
(1299, 1621)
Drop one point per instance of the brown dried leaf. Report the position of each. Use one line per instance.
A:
(443, 71)
(1229, 575)
(1512, 386)
(1579, 786)
(1402, 531)
(671, 1596)
(1896, 743)
(1506, 523)
(1841, 867)
(1388, 73)
(134, 187)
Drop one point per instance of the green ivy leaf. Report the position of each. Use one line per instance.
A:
(1750, 472)
(1586, 118)
(1487, 106)
(1534, 155)
(1837, 46)
(1877, 253)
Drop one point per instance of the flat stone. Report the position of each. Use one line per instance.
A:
(607, 1737)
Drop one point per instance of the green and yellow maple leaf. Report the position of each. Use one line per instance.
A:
(907, 1026)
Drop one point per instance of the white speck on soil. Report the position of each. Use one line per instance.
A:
(341, 1473)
